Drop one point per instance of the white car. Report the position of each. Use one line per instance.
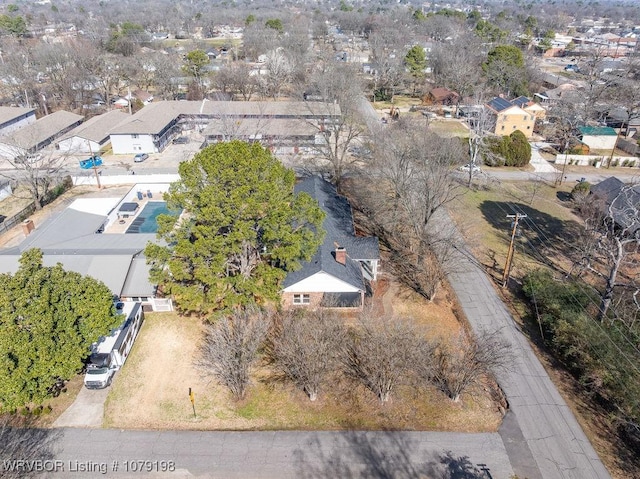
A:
(469, 166)
(140, 157)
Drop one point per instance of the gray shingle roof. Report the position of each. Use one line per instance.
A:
(251, 127)
(625, 199)
(153, 118)
(44, 129)
(8, 113)
(99, 127)
(70, 238)
(338, 226)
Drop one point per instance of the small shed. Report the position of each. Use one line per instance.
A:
(598, 137)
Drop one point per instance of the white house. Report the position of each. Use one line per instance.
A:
(93, 135)
(152, 128)
(37, 135)
(14, 118)
(599, 137)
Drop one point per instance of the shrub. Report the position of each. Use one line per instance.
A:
(580, 191)
(512, 150)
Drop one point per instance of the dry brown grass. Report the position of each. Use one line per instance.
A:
(151, 391)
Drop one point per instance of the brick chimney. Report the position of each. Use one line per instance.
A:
(341, 255)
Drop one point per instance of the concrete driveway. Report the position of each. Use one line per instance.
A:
(86, 411)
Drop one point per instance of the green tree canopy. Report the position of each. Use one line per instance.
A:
(505, 69)
(195, 62)
(49, 318)
(416, 61)
(275, 24)
(489, 32)
(242, 231)
(16, 26)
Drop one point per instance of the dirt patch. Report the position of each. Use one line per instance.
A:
(151, 391)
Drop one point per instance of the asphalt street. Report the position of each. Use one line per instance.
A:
(542, 437)
(279, 454)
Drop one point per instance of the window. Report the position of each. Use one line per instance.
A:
(134, 136)
(502, 128)
(144, 299)
(528, 128)
(301, 299)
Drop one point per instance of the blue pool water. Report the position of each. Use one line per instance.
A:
(146, 221)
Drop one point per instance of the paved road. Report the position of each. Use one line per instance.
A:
(283, 454)
(541, 435)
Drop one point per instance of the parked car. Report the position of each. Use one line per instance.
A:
(91, 162)
(140, 157)
(469, 166)
(572, 67)
(181, 140)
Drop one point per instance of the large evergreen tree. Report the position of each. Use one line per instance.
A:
(48, 319)
(243, 229)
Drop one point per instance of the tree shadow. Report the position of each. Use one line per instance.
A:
(20, 441)
(382, 455)
(543, 235)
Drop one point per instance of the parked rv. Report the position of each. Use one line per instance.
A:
(110, 352)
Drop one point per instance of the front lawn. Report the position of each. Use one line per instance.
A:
(151, 391)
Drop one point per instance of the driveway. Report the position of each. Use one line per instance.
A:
(540, 165)
(86, 411)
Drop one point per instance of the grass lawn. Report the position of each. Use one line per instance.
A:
(151, 391)
(449, 128)
(546, 232)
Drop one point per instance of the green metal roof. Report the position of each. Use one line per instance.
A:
(597, 131)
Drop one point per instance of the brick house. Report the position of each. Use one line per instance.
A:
(338, 273)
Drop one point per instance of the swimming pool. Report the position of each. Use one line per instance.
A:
(147, 220)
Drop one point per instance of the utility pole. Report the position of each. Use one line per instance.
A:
(507, 266)
(95, 167)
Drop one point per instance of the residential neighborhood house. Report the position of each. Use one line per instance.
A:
(339, 272)
(93, 135)
(34, 136)
(103, 238)
(509, 117)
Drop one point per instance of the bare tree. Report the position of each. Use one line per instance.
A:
(611, 245)
(20, 443)
(230, 348)
(457, 65)
(338, 84)
(466, 362)
(380, 352)
(237, 78)
(305, 348)
(37, 170)
(481, 125)
(278, 71)
(408, 181)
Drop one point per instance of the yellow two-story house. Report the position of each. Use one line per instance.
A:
(509, 117)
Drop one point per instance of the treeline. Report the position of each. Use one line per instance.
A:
(603, 356)
(313, 350)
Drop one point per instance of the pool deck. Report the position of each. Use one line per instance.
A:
(120, 226)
